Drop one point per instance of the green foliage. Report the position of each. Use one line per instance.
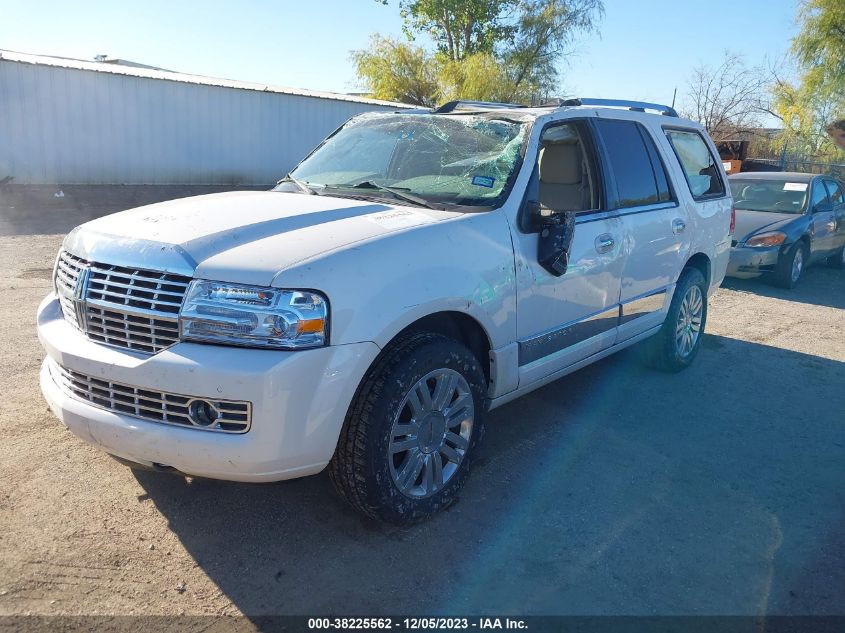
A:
(490, 50)
(479, 77)
(818, 99)
(806, 113)
(459, 28)
(820, 46)
(398, 71)
(545, 29)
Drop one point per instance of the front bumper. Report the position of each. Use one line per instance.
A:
(748, 262)
(299, 401)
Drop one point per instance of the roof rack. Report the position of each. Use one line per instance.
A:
(637, 106)
(451, 106)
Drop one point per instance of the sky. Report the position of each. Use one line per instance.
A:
(644, 48)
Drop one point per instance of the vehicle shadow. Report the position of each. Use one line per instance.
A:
(820, 285)
(616, 490)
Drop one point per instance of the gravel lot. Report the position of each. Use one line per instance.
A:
(616, 490)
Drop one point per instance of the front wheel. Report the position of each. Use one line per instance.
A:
(838, 260)
(412, 431)
(790, 266)
(676, 345)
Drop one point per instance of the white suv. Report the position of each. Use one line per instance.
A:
(416, 270)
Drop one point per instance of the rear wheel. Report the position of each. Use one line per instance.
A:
(791, 266)
(677, 343)
(412, 431)
(838, 260)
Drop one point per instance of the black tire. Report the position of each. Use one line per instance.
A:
(784, 277)
(662, 351)
(361, 469)
(838, 260)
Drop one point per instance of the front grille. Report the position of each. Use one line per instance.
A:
(125, 307)
(67, 274)
(156, 406)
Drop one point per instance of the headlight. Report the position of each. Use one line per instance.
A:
(775, 238)
(234, 314)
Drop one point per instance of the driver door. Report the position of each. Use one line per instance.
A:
(837, 198)
(823, 221)
(562, 320)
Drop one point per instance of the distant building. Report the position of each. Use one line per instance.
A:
(67, 121)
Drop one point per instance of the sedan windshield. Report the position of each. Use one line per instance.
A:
(424, 159)
(775, 196)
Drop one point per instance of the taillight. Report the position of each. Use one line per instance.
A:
(733, 220)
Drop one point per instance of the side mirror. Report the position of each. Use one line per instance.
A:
(555, 241)
(823, 207)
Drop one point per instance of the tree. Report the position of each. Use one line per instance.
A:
(820, 45)
(727, 99)
(498, 50)
(398, 71)
(817, 100)
(545, 29)
(806, 114)
(478, 77)
(459, 28)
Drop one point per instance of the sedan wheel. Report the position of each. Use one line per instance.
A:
(797, 265)
(838, 260)
(791, 266)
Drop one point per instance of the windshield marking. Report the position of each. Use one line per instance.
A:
(398, 218)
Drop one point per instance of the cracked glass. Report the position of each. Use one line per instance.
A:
(468, 160)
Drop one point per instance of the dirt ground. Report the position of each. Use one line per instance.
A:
(617, 490)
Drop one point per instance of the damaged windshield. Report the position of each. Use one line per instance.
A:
(418, 159)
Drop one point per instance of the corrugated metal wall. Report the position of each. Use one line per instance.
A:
(68, 126)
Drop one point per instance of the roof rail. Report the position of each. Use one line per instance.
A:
(451, 106)
(638, 106)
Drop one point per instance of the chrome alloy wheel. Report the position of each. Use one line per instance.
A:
(797, 264)
(431, 433)
(689, 321)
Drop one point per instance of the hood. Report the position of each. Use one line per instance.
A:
(750, 222)
(240, 237)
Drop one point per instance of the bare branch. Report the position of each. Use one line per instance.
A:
(728, 98)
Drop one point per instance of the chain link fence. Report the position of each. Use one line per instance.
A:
(795, 163)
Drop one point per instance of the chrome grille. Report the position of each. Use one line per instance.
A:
(67, 274)
(125, 307)
(156, 406)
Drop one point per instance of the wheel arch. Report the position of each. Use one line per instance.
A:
(806, 239)
(459, 326)
(703, 263)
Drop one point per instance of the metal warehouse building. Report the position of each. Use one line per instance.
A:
(65, 121)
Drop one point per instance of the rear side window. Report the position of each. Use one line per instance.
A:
(818, 195)
(700, 169)
(637, 170)
(835, 192)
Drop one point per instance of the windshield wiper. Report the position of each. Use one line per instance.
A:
(759, 210)
(369, 184)
(302, 186)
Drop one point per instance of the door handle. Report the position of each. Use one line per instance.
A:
(605, 243)
(678, 226)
